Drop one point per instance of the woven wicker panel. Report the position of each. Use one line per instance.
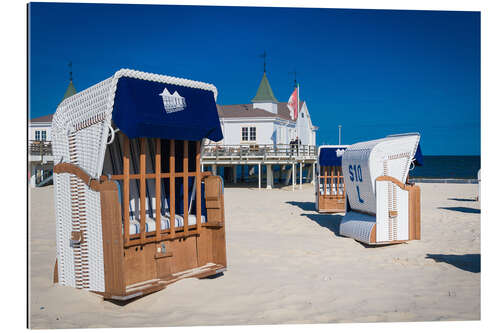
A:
(383, 229)
(403, 214)
(63, 230)
(364, 198)
(357, 226)
(80, 131)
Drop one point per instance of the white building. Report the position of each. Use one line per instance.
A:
(41, 161)
(253, 135)
(39, 128)
(265, 121)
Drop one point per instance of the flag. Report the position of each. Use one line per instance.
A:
(292, 104)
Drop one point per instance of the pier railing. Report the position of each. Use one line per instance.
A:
(40, 148)
(212, 151)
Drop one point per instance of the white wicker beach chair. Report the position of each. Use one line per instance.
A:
(382, 207)
(127, 154)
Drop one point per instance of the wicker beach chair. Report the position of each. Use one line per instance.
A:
(381, 207)
(134, 212)
(330, 194)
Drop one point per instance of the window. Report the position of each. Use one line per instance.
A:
(244, 134)
(302, 114)
(44, 135)
(248, 134)
(253, 133)
(37, 135)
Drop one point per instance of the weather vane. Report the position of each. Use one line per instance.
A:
(263, 55)
(70, 65)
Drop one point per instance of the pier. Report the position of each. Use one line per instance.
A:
(299, 158)
(41, 162)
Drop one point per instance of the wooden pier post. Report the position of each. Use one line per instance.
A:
(270, 176)
(260, 175)
(300, 175)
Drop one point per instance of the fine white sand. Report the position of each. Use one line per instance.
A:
(287, 264)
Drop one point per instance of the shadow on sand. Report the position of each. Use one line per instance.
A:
(329, 221)
(304, 205)
(332, 223)
(467, 262)
(463, 209)
(125, 303)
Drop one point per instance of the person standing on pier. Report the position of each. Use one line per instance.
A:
(292, 147)
(297, 142)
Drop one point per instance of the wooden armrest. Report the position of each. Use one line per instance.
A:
(215, 225)
(394, 181)
(214, 200)
(93, 184)
(205, 174)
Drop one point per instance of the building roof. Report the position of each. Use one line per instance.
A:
(247, 110)
(264, 93)
(42, 119)
(70, 91)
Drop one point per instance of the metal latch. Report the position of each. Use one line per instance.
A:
(393, 213)
(76, 238)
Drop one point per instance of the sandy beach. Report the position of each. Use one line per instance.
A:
(288, 264)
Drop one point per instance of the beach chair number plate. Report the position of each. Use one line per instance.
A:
(355, 174)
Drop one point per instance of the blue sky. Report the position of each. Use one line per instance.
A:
(375, 72)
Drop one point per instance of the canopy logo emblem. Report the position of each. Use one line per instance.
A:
(173, 102)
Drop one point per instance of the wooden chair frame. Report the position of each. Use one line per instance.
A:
(413, 212)
(135, 265)
(331, 203)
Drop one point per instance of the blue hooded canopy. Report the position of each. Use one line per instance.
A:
(139, 111)
(328, 156)
(419, 157)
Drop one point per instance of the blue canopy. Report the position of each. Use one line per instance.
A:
(419, 158)
(151, 109)
(328, 156)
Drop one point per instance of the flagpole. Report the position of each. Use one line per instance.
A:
(298, 102)
(296, 133)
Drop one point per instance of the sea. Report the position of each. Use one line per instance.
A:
(447, 167)
(434, 169)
